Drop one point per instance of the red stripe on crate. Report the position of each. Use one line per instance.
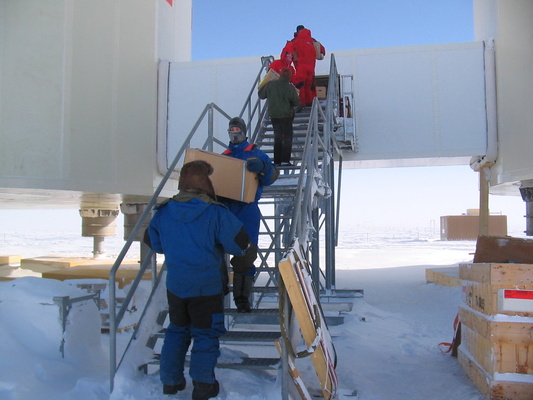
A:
(518, 294)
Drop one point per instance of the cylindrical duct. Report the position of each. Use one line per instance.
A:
(98, 222)
(132, 212)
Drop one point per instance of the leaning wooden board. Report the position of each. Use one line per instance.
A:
(298, 283)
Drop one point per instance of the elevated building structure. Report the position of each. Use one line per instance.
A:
(96, 96)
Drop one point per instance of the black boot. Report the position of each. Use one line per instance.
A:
(205, 391)
(173, 389)
(242, 288)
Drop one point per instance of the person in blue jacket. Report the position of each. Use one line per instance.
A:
(194, 232)
(248, 213)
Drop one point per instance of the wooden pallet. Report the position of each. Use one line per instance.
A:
(444, 276)
(302, 295)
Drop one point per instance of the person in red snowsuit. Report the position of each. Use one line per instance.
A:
(285, 61)
(305, 56)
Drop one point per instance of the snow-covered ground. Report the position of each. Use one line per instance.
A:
(387, 347)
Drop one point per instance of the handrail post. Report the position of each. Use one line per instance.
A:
(210, 130)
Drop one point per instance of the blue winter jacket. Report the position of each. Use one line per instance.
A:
(249, 213)
(193, 232)
(244, 151)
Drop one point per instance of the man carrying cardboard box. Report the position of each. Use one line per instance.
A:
(248, 213)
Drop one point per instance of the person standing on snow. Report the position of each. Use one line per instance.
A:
(194, 232)
(282, 98)
(248, 213)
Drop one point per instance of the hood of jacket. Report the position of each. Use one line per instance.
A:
(305, 34)
(190, 206)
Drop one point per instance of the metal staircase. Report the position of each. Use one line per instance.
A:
(300, 204)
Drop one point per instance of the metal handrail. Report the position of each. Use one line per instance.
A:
(328, 144)
(255, 111)
(302, 224)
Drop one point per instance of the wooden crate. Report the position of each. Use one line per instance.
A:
(493, 389)
(504, 249)
(496, 349)
(499, 344)
(482, 283)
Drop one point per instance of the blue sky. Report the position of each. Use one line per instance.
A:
(241, 28)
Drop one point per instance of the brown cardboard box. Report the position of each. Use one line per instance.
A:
(271, 75)
(319, 55)
(321, 92)
(230, 177)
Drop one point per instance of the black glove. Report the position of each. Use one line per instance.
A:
(243, 264)
(146, 238)
(255, 165)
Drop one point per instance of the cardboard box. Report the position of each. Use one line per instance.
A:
(230, 177)
(271, 75)
(321, 92)
(319, 54)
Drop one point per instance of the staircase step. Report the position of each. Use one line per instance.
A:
(255, 312)
(239, 336)
(250, 363)
(258, 317)
(250, 336)
(341, 294)
(247, 363)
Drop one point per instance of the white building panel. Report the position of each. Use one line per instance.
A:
(413, 102)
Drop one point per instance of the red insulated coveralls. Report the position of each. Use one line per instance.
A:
(278, 65)
(305, 53)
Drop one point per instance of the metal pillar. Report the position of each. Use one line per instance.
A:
(483, 201)
(527, 195)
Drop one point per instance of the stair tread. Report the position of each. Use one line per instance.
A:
(249, 363)
(241, 336)
(255, 311)
(250, 336)
(243, 363)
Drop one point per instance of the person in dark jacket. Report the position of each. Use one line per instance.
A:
(282, 98)
(194, 231)
(248, 213)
